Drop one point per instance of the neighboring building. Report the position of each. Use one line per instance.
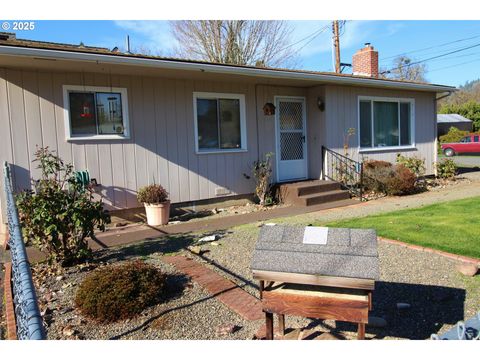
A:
(197, 127)
(446, 121)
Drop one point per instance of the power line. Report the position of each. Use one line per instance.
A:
(313, 38)
(433, 57)
(313, 34)
(455, 65)
(431, 47)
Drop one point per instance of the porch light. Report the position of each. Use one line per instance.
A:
(320, 104)
(268, 109)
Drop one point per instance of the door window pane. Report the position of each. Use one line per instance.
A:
(291, 115)
(207, 120)
(291, 145)
(82, 113)
(365, 124)
(475, 139)
(405, 131)
(385, 119)
(229, 111)
(109, 113)
(466, 139)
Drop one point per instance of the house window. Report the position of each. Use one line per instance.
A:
(385, 123)
(96, 112)
(219, 122)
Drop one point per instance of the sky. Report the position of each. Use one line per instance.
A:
(419, 40)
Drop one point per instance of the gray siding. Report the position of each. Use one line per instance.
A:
(342, 113)
(161, 148)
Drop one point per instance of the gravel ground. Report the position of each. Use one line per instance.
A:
(190, 313)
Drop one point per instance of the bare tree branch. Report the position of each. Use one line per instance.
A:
(402, 70)
(240, 42)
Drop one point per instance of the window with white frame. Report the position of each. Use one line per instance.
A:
(385, 122)
(95, 112)
(219, 122)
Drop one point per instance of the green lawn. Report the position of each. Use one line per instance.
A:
(450, 226)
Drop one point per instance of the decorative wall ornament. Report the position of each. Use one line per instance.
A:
(268, 109)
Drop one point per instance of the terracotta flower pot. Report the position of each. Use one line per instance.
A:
(157, 214)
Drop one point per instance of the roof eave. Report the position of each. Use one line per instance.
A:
(217, 68)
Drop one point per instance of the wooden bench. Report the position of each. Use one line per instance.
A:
(314, 301)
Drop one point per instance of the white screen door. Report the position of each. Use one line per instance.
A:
(291, 138)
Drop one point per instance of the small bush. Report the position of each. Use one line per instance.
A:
(446, 169)
(60, 214)
(384, 177)
(118, 292)
(262, 172)
(414, 164)
(401, 182)
(152, 194)
(454, 135)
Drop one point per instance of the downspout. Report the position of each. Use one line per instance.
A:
(436, 131)
(256, 122)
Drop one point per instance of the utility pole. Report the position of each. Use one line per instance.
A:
(336, 45)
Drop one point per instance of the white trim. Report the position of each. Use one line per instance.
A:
(372, 99)
(386, 148)
(216, 68)
(301, 99)
(81, 88)
(243, 121)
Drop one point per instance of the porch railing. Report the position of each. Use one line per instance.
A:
(27, 314)
(342, 169)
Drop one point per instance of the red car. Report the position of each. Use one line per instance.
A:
(469, 144)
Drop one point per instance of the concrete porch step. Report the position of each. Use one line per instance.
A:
(312, 192)
(323, 197)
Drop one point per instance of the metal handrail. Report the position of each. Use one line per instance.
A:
(342, 169)
(27, 313)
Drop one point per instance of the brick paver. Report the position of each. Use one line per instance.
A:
(230, 294)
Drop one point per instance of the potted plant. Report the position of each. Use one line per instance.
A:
(157, 205)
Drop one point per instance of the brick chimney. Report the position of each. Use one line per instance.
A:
(365, 62)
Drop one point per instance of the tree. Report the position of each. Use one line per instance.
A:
(239, 42)
(405, 69)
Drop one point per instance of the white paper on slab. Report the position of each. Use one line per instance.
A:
(315, 235)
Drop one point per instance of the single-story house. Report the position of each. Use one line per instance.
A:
(446, 121)
(196, 127)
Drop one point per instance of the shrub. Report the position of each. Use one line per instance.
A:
(60, 213)
(262, 172)
(453, 135)
(384, 177)
(152, 194)
(446, 169)
(414, 164)
(118, 292)
(401, 181)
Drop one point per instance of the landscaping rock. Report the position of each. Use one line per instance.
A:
(197, 250)
(467, 269)
(68, 330)
(226, 329)
(209, 238)
(377, 322)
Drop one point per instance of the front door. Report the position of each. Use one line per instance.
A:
(291, 138)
